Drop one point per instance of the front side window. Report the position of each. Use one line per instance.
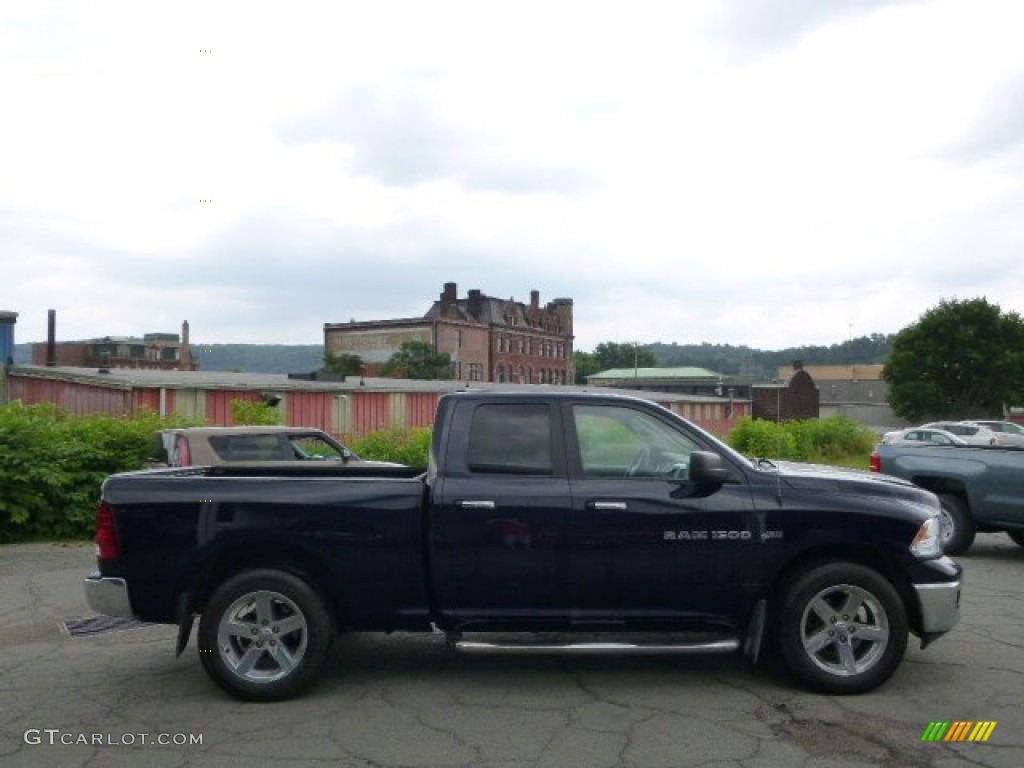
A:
(616, 441)
(314, 447)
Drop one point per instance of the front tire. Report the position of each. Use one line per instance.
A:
(1017, 536)
(842, 628)
(264, 634)
(956, 525)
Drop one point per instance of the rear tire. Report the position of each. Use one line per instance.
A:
(264, 635)
(1017, 536)
(842, 628)
(957, 525)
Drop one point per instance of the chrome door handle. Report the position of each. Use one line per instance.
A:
(475, 504)
(608, 506)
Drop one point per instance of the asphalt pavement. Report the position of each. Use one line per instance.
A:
(118, 696)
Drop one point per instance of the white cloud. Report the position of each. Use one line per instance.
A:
(759, 174)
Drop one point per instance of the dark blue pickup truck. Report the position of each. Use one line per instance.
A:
(547, 521)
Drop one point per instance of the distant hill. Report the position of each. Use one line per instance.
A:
(721, 358)
(250, 358)
(760, 364)
(259, 358)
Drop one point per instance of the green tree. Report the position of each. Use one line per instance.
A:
(418, 360)
(346, 363)
(249, 413)
(585, 364)
(611, 355)
(961, 359)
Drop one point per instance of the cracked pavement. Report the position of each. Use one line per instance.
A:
(406, 700)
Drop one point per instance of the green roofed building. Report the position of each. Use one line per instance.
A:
(689, 380)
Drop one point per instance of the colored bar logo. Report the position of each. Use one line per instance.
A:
(959, 730)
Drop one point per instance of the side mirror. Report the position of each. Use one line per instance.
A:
(707, 468)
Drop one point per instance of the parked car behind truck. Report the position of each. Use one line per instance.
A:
(981, 488)
(201, 446)
(550, 512)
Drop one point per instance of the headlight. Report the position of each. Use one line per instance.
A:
(927, 543)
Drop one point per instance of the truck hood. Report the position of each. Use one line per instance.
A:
(817, 478)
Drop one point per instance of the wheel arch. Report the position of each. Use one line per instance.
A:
(859, 553)
(942, 485)
(276, 555)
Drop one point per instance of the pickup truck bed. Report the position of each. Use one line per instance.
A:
(353, 525)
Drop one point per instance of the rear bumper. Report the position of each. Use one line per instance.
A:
(940, 606)
(108, 595)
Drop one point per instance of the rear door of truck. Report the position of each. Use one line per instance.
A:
(500, 538)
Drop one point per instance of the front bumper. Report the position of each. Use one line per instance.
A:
(940, 606)
(108, 595)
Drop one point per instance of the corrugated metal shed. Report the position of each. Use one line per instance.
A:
(354, 407)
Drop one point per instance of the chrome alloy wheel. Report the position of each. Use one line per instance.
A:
(946, 526)
(844, 630)
(262, 636)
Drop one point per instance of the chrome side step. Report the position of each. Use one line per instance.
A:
(725, 645)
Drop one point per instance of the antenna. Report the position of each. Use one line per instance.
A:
(778, 448)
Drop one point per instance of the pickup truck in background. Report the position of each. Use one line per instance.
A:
(981, 488)
(605, 522)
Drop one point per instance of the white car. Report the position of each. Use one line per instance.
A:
(923, 435)
(971, 432)
(1007, 433)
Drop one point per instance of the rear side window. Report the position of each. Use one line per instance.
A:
(961, 429)
(511, 439)
(250, 448)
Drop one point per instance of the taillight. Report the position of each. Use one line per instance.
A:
(107, 547)
(876, 462)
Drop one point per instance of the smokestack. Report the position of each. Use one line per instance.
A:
(186, 352)
(475, 303)
(450, 293)
(51, 337)
(7, 321)
(535, 299)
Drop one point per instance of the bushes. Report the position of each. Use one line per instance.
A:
(410, 448)
(834, 438)
(249, 413)
(52, 465)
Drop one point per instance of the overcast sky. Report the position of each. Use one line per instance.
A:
(764, 172)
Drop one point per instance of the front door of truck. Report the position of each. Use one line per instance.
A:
(500, 518)
(650, 543)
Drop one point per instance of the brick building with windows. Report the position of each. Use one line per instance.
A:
(154, 351)
(487, 339)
